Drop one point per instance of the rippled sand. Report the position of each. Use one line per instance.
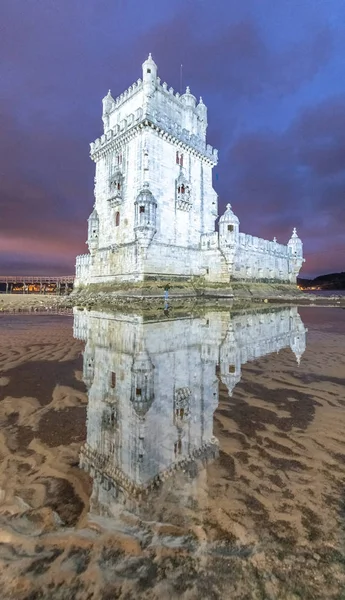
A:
(264, 520)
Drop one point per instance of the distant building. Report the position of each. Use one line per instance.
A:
(155, 207)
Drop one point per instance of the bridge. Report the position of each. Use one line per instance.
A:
(36, 284)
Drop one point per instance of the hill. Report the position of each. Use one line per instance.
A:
(330, 281)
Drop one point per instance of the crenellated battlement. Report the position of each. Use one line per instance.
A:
(155, 205)
(149, 100)
(165, 127)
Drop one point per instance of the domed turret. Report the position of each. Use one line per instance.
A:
(142, 393)
(149, 75)
(145, 208)
(298, 334)
(188, 99)
(295, 244)
(296, 255)
(202, 110)
(228, 227)
(202, 118)
(93, 230)
(230, 362)
(108, 104)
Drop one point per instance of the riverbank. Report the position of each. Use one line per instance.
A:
(151, 297)
(12, 303)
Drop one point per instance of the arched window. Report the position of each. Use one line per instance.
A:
(182, 189)
(117, 219)
(177, 158)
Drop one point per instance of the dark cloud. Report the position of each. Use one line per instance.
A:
(296, 178)
(60, 58)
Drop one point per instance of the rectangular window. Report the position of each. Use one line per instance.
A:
(113, 380)
(142, 209)
(230, 227)
(138, 391)
(177, 158)
(181, 160)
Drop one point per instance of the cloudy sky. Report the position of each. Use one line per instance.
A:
(272, 73)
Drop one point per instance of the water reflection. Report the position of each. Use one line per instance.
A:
(153, 388)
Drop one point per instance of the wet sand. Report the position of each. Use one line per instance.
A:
(264, 520)
(12, 303)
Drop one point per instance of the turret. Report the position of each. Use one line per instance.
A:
(201, 110)
(142, 389)
(296, 255)
(229, 226)
(189, 102)
(230, 361)
(188, 99)
(108, 104)
(149, 76)
(297, 334)
(93, 230)
(145, 208)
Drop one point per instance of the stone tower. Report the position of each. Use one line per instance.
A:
(153, 183)
(155, 207)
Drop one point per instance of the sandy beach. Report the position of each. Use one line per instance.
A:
(264, 520)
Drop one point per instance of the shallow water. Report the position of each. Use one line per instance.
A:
(173, 458)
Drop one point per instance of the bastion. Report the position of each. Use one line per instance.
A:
(155, 213)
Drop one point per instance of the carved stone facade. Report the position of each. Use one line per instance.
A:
(155, 207)
(153, 388)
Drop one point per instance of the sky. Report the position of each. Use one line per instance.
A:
(271, 73)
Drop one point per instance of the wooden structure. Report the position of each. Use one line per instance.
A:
(36, 284)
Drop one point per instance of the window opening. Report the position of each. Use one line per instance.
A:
(148, 71)
(141, 209)
(117, 219)
(177, 158)
(230, 227)
(178, 447)
(232, 369)
(138, 391)
(113, 380)
(181, 160)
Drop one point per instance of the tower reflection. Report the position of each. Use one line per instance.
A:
(153, 388)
